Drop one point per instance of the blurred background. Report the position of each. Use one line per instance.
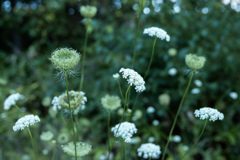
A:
(31, 30)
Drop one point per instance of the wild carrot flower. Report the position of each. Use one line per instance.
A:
(116, 76)
(11, 100)
(164, 99)
(158, 32)
(194, 62)
(25, 121)
(233, 95)
(88, 11)
(46, 136)
(149, 150)
(82, 149)
(209, 113)
(126, 131)
(133, 78)
(198, 83)
(111, 102)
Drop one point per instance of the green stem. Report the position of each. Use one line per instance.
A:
(149, 65)
(125, 104)
(136, 37)
(109, 117)
(18, 109)
(176, 116)
(125, 151)
(196, 140)
(76, 123)
(120, 90)
(32, 143)
(69, 107)
(149, 158)
(83, 60)
(54, 150)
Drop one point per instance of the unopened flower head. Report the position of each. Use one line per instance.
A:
(116, 75)
(209, 113)
(194, 62)
(25, 121)
(126, 131)
(82, 149)
(233, 95)
(11, 100)
(133, 78)
(149, 150)
(158, 32)
(195, 91)
(111, 102)
(88, 11)
(198, 83)
(164, 99)
(46, 136)
(63, 137)
(65, 59)
(150, 110)
(172, 71)
(77, 102)
(172, 52)
(176, 138)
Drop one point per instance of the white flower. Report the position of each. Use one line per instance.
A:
(151, 139)
(158, 32)
(233, 95)
(116, 75)
(195, 91)
(25, 121)
(150, 110)
(126, 131)
(56, 103)
(11, 100)
(172, 71)
(176, 138)
(155, 122)
(185, 148)
(149, 150)
(209, 113)
(198, 83)
(133, 78)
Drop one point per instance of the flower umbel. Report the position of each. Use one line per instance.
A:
(209, 113)
(126, 131)
(149, 150)
(65, 59)
(46, 136)
(158, 32)
(133, 78)
(25, 121)
(11, 100)
(111, 102)
(88, 11)
(194, 62)
(82, 149)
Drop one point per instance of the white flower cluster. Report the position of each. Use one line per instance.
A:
(209, 113)
(11, 100)
(158, 32)
(56, 103)
(25, 121)
(149, 150)
(126, 131)
(116, 76)
(133, 78)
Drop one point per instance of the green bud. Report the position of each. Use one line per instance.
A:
(65, 59)
(111, 102)
(88, 11)
(164, 99)
(194, 62)
(172, 52)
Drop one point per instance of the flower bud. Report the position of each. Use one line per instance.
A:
(172, 52)
(65, 59)
(88, 11)
(194, 62)
(164, 99)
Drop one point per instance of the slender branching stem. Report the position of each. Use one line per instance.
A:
(109, 117)
(205, 124)
(35, 153)
(120, 90)
(76, 123)
(125, 104)
(18, 108)
(83, 60)
(176, 116)
(70, 111)
(125, 150)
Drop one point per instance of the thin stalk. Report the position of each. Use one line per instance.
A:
(69, 107)
(32, 143)
(176, 116)
(18, 108)
(149, 158)
(149, 65)
(54, 150)
(120, 90)
(126, 95)
(109, 117)
(196, 140)
(76, 123)
(83, 60)
(125, 150)
(136, 37)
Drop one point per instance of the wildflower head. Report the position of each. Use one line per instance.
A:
(11, 100)
(158, 32)
(111, 102)
(25, 121)
(88, 11)
(82, 149)
(172, 52)
(164, 99)
(126, 131)
(133, 78)
(209, 113)
(194, 62)
(77, 102)
(63, 138)
(65, 59)
(149, 150)
(46, 136)
(116, 76)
